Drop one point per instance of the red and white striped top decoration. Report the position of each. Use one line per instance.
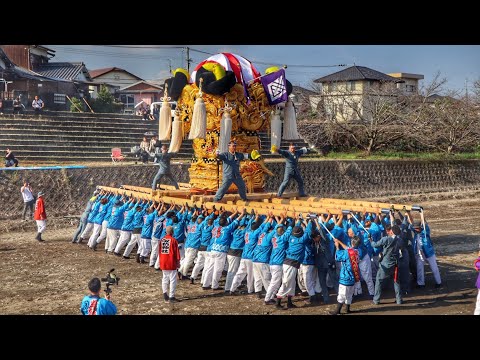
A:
(241, 67)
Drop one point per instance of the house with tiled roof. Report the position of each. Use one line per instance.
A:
(140, 91)
(114, 76)
(344, 94)
(31, 72)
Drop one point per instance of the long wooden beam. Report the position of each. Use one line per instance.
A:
(274, 205)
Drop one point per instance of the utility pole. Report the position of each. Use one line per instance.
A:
(188, 59)
(466, 89)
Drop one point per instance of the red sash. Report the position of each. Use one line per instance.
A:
(353, 255)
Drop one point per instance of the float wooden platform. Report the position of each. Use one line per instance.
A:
(262, 203)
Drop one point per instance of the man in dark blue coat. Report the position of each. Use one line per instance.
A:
(291, 168)
(163, 160)
(231, 171)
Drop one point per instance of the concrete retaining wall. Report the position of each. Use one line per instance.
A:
(68, 189)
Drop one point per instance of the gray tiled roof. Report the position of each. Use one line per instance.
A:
(61, 70)
(356, 73)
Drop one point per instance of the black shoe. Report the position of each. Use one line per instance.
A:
(304, 293)
(278, 304)
(179, 274)
(219, 288)
(137, 258)
(80, 241)
(126, 257)
(205, 288)
(165, 297)
(290, 304)
(40, 237)
(348, 309)
(233, 293)
(259, 294)
(270, 302)
(117, 254)
(338, 309)
(184, 277)
(420, 286)
(37, 237)
(192, 281)
(173, 300)
(142, 260)
(438, 285)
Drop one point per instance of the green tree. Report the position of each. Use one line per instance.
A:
(76, 105)
(104, 101)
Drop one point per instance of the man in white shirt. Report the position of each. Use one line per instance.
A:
(37, 104)
(28, 199)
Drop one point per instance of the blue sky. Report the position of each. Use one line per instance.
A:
(460, 64)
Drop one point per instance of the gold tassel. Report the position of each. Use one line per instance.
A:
(177, 135)
(290, 122)
(165, 121)
(276, 128)
(198, 128)
(225, 129)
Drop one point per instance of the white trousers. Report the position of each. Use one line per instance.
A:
(309, 274)
(87, 230)
(365, 266)
(288, 281)
(218, 260)
(103, 232)
(144, 247)
(190, 254)
(112, 239)
(477, 307)
(275, 281)
(261, 276)
(245, 268)
(233, 264)
(208, 269)
(123, 240)
(96, 231)
(41, 225)
(432, 261)
(198, 265)
(154, 253)
(345, 294)
(169, 280)
(133, 240)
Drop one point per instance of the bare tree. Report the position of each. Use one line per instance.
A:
(448, 125)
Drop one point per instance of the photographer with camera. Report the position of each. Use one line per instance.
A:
(93, 304)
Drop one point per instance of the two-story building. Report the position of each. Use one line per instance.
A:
(345, 95)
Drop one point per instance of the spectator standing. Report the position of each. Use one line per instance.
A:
(28, 199)
(38, 104)
(169, 255)
(40, 216)
(10, 159)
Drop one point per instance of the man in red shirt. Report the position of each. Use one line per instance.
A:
(40, 216)
(169, 263)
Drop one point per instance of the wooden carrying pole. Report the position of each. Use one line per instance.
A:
(263, 206)
(76, 107)
(86, 102)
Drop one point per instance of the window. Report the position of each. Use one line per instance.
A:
(128, 100)
(351, 85)
(59, 98)
(332, 87)
(410, 88)
(116, 77)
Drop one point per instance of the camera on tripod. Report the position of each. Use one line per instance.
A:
(110, 279)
